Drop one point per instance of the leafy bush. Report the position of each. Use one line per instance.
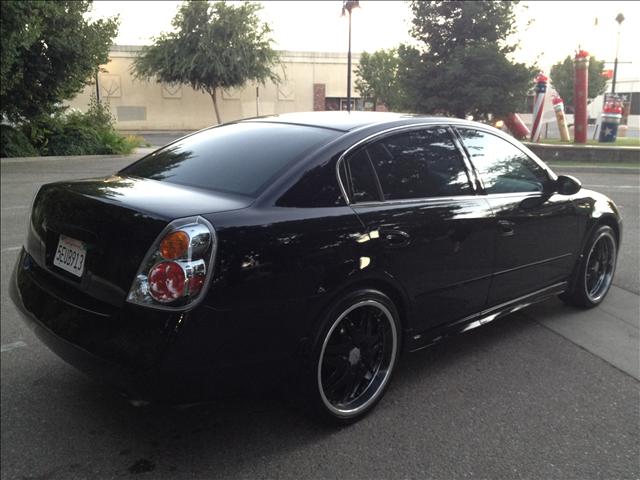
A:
(74, 140)
(70, 133)
(14, 143)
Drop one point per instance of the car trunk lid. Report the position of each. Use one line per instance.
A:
(113, 221)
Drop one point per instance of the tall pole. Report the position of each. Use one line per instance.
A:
(580, 92)
(347, 6)
(615, 65)
(619, 19)
(97, 88)
(257, 100)
(349, 68)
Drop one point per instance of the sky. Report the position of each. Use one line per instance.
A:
(548, 31)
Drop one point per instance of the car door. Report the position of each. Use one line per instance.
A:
(536, 229)
(412, 190)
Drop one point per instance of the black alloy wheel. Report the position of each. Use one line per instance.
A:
(596, 269)
(356, 355)
(601, 263)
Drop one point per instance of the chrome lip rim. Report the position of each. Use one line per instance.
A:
(604, 272)
(347, 413)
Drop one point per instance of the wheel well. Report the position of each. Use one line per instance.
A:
(309, 339)
(389, 290)
(611, 222)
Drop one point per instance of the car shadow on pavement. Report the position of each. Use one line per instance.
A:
(455, 402)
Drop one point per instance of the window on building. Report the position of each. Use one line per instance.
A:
(631, 101)
(340, 103)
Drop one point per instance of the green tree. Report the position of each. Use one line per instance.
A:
(462, 66)
(445, 26)
(213, 46)
(50, 52)
(377, 78)
(563, 75)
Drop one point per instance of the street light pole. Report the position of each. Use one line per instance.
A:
(619, 19)
(349, 67)
(97, 88)
(348, 5)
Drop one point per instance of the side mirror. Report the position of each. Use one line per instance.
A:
(567, 185)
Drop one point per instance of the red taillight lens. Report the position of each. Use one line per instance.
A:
(195, 284)
(167, 282)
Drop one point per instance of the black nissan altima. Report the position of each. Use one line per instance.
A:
(308, 248)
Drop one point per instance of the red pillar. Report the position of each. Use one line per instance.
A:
(580, 90)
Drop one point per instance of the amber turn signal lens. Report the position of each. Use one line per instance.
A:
(174, 245)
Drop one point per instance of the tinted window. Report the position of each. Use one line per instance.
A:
(364, 187)
(238, 158)
(418, 164)
(318, 187)
(502, 167)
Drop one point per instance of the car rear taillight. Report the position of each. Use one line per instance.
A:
(175, 271)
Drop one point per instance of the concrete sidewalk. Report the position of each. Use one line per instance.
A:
(610, 331)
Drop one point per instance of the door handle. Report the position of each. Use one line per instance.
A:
(395, 238)
(507, 228)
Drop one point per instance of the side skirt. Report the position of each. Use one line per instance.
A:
(437, 334)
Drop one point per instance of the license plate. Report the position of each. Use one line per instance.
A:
(70, 255)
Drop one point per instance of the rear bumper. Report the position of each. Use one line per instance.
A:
(93, 338)
(149, 354)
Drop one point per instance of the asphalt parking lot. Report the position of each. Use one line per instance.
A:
(548, 392)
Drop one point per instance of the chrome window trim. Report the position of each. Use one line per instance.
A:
(513, 194)
(447, 199)
(414, 126)
(418, 200)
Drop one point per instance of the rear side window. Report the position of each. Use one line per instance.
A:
(419, 164)
(364, 186)
(503, 167)
(240, 158)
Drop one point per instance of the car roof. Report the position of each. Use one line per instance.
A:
(340, 120)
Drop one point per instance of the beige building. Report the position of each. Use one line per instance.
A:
(310, 81)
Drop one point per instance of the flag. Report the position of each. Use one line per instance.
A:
(348, 5)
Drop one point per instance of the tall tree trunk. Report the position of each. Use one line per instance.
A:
(215, 104)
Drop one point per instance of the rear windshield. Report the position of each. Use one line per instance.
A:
(240, 158)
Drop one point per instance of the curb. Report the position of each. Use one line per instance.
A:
(137, 153)
(632, 170)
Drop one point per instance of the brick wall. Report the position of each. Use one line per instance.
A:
(318, 96)
(381, 107)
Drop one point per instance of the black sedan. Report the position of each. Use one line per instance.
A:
(307, 248)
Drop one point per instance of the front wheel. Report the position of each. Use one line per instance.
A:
(595, 271)
(355, 356)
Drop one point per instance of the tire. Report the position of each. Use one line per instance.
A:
(595, 270)
(357, 346)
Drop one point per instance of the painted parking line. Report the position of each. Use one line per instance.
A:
(7, 347)
(15, 207)
(622, 187)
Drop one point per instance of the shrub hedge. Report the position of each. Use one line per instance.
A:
(68, 133)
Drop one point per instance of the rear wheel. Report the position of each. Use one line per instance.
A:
(595, 270)
(355, 355)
